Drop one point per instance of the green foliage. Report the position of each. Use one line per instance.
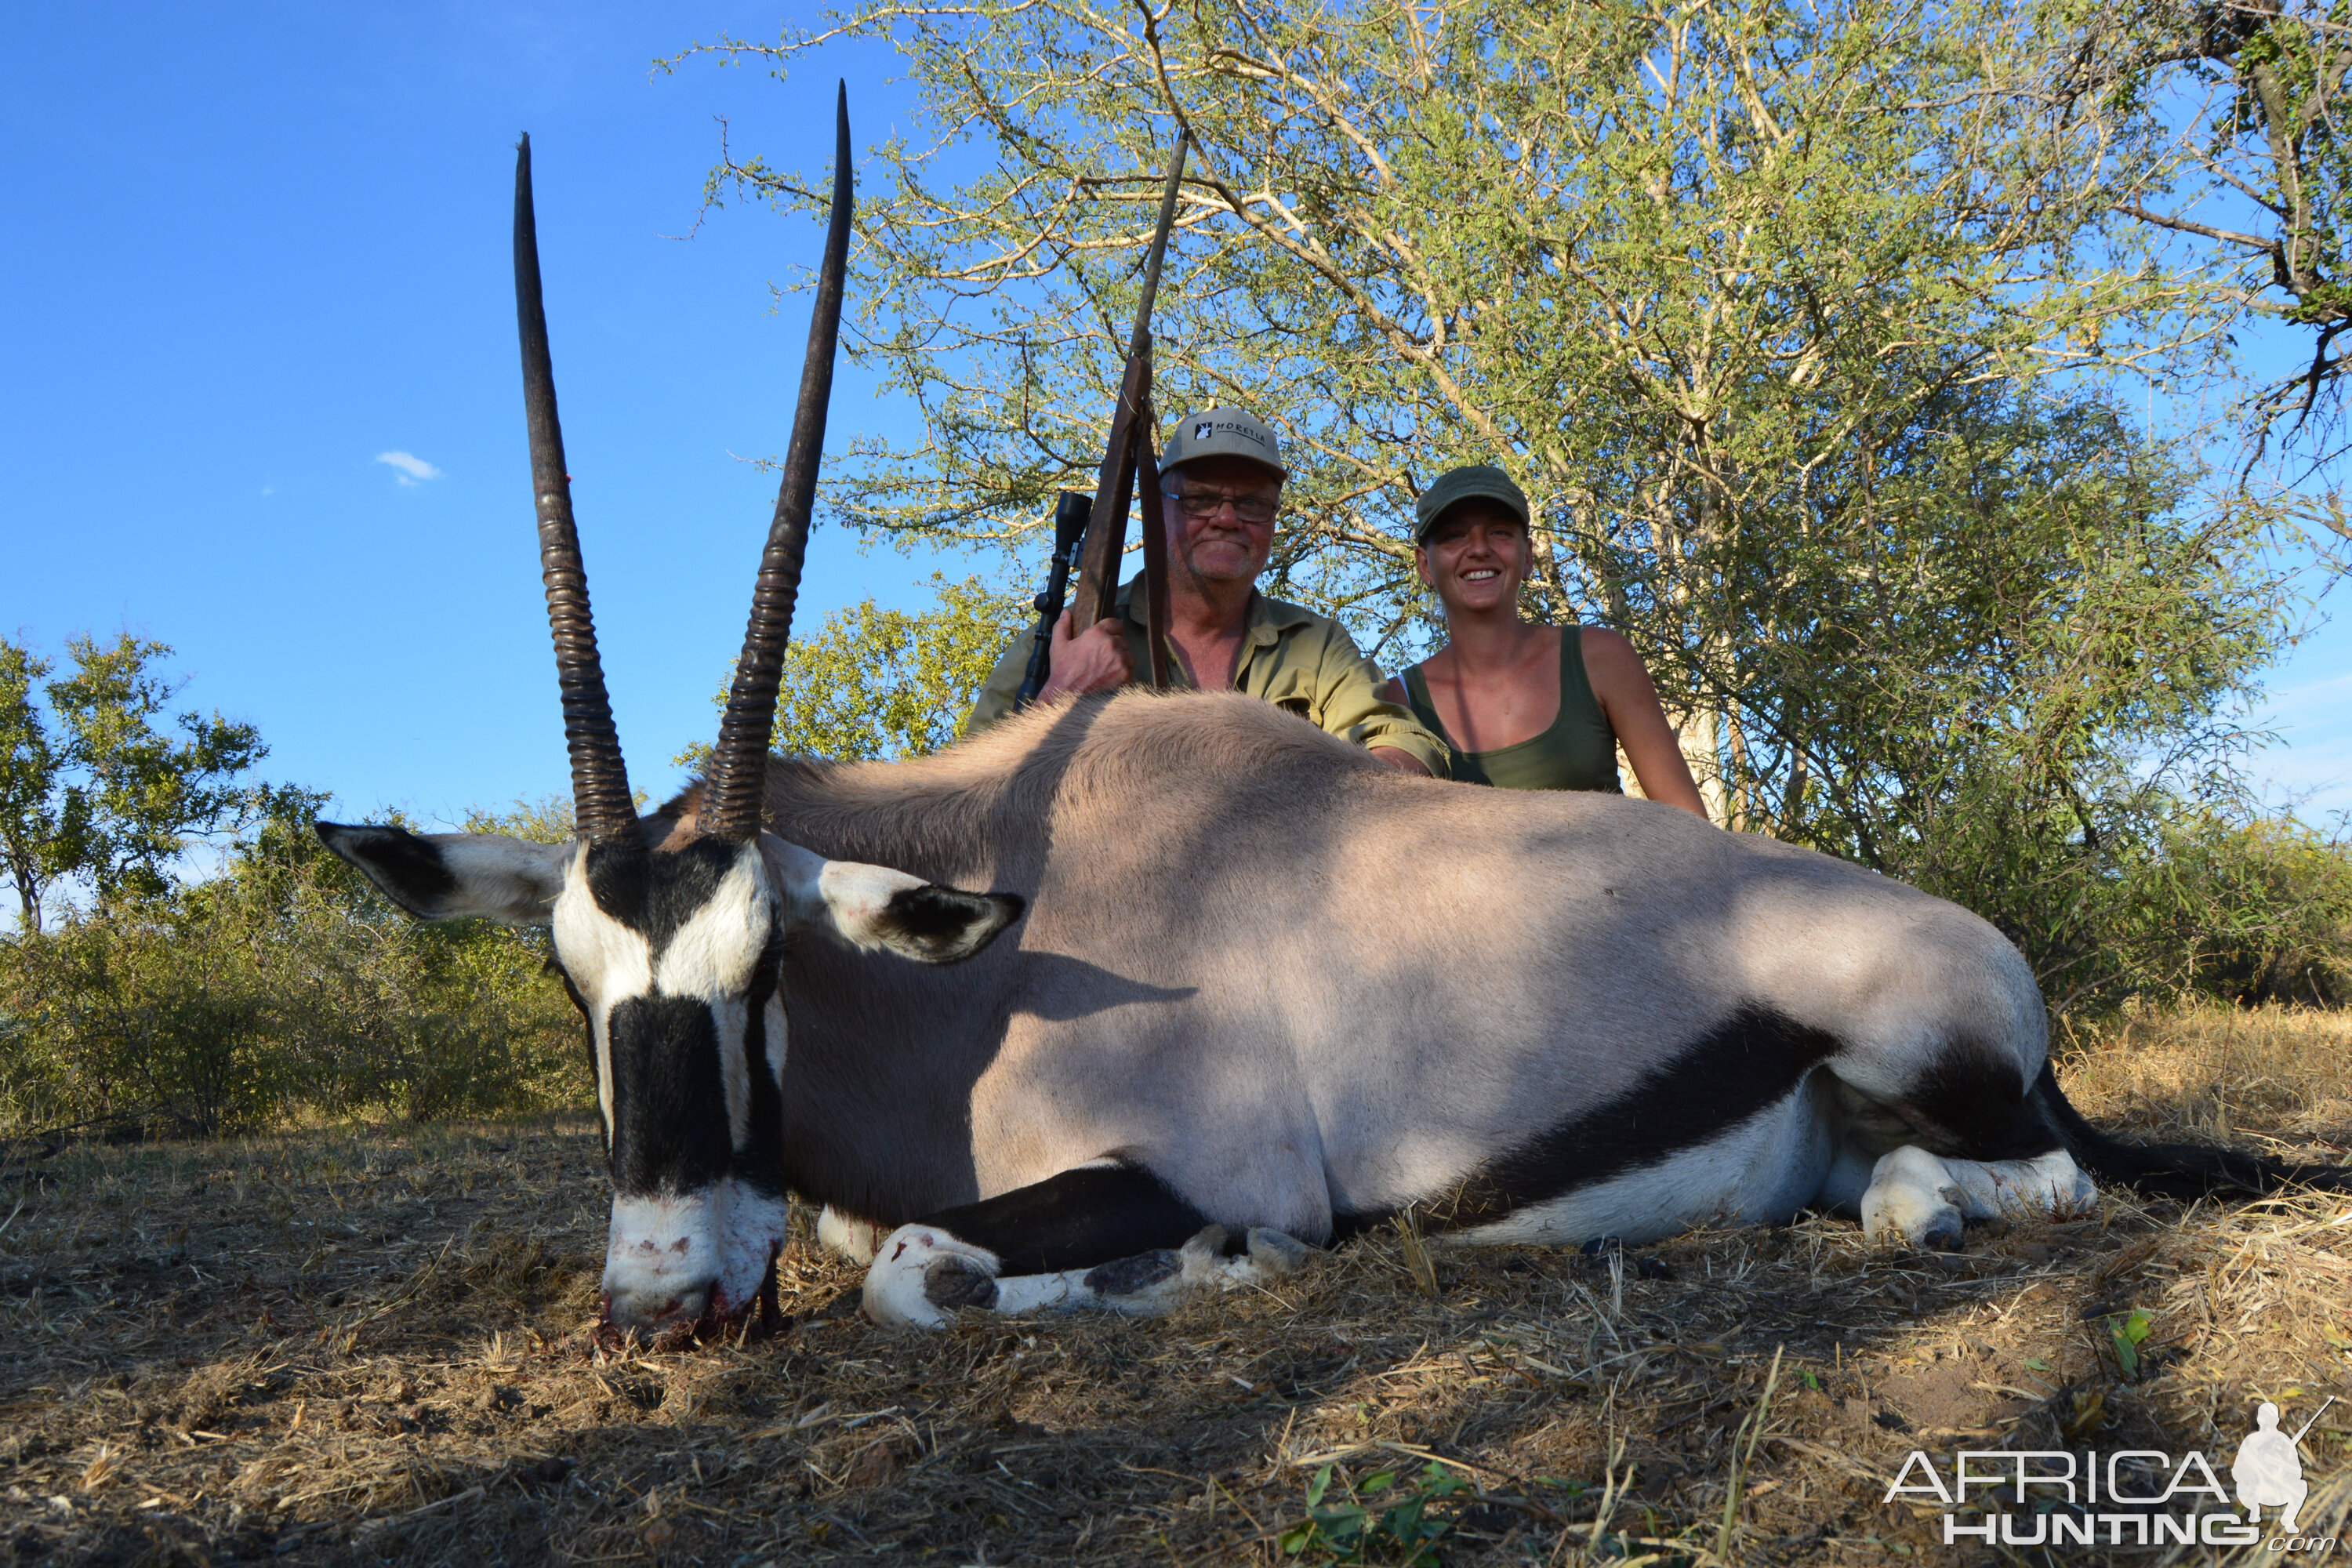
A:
(1643, 255)
(2258, 911)
(547, 820)
(1385, 1519)
(95, 790)
(877, 683)
(28, 774)
(2013, 677)
(284, 987)
(2125, 1334)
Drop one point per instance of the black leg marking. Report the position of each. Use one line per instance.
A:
(1753, 1059)
(1972, 1104)
(1129, 1276)
(1080, 1218)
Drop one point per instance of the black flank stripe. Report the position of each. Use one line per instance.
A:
(1752, 1060)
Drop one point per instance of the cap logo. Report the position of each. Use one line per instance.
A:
(1202, 430)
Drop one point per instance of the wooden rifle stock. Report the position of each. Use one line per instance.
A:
(1128, 456)
(1106, 527)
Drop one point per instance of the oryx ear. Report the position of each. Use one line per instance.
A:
(874, 907)
(446, 875)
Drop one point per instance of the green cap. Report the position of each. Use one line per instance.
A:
(1477, 481)
(1221, 433)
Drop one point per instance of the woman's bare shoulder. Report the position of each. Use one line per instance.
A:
(1610, 647)
(1611, 665)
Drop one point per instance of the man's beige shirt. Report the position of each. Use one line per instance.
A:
(1291, 656)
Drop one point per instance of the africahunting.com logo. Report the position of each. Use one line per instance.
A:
(2131, 1497)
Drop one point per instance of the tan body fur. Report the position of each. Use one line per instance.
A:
(1301, 987)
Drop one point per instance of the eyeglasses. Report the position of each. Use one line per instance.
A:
(1250, 506)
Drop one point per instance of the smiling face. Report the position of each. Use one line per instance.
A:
(1221, 516)
(1475, 557)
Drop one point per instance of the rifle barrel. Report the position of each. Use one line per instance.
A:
(1106, 532)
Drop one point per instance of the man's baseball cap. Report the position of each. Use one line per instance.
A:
(1479, 481)
(1221, 433)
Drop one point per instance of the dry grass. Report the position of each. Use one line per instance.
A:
(367, 1347)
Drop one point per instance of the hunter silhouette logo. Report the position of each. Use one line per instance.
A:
(2269, 1468)
(2130, 1497)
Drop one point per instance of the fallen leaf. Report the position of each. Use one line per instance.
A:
(875, 1464)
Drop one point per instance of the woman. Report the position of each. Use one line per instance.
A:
(1522, 706)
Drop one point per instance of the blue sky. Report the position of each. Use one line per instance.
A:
(251, 250)
(254, 250)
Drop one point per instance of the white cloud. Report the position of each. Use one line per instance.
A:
(414, 470)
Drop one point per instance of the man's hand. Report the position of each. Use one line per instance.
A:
(1403, 762)
(1095, 661)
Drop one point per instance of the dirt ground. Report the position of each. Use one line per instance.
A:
(368, 1345)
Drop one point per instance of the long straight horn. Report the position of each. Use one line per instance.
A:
(739, 765)
(601, 810)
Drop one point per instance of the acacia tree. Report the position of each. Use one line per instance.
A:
(2259, 188)
(1795, 321)
(93, 789)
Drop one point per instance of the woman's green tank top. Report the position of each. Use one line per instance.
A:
(1578, 751)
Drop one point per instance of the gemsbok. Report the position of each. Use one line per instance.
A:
(1247, 983)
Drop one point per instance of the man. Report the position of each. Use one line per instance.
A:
(1222, 475)
(2269, 1472)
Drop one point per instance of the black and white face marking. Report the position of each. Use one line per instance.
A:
(673, 957)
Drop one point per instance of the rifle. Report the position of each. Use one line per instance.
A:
(1128, 455)
(1069, 528)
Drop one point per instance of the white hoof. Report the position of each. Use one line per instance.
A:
(921, 1275)
(1920, 1200)
(1271, 1255)
(1912, 1202)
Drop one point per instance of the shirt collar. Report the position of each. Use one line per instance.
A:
(1267, 619)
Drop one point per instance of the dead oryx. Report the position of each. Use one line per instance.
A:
(1266, 993)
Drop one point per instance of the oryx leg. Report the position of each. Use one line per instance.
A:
(1108, 1235)
(1918, 1199)
(1911, 1197)
(1935, 1136)
(855, 1239)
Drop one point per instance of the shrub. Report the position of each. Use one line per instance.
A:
(282, 989)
